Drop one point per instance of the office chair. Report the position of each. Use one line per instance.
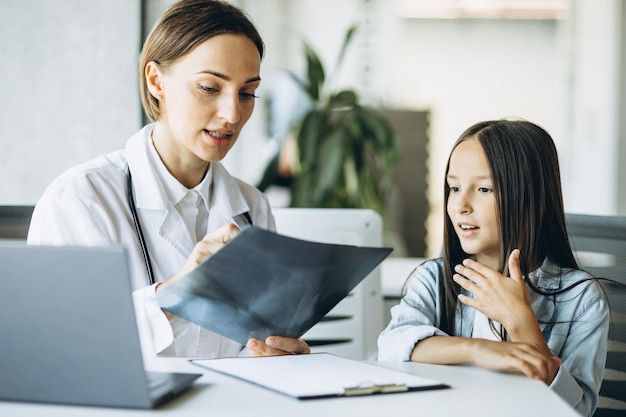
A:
(15, 221)
(599, 243)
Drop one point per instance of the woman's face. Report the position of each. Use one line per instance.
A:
(205, 99)
(472, 202)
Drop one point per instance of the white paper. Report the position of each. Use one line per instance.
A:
(314, 375)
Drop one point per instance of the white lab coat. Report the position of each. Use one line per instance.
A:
(88, 205)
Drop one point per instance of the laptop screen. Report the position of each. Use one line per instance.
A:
(72, 335)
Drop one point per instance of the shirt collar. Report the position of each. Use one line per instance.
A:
(174, 190)
(204, 188)
(547, 276)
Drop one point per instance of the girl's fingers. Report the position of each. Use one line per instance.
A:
(465, 283)
(473, 267)
(514, 266)
(468, 301)
(470, 274)
(535, 364)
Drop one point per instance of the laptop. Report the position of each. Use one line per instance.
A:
(68, 332)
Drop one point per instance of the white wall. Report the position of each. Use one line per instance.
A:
(461, 71)
(472, 70)
(67, 87)
(590, 151)
(563, 75)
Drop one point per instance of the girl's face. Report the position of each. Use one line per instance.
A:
(472, 202)
(205, 97)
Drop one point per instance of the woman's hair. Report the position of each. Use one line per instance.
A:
(529, 204)
(182, 27)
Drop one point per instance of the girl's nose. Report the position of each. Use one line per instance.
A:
(462, 204)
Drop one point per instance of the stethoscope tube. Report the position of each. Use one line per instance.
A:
(142, 240)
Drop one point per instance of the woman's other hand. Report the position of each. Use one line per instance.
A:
(211, 243)
(277, 345)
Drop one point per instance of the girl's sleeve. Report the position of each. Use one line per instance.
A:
(415, 318)
(583, 354)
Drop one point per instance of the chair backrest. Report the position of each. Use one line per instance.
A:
(15, 221)
(599, 243)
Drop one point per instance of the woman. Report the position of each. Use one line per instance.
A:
(507, 294)
(199, 71)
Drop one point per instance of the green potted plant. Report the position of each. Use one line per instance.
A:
(344, 151)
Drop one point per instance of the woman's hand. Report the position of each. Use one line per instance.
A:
(210, 244)
(523, 357)
(276, 346)
(501, 298)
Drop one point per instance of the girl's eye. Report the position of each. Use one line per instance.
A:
(453, 189)
(485, 190)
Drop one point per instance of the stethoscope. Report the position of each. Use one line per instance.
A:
(142, 240)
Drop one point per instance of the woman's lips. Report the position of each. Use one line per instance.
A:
(219, 138)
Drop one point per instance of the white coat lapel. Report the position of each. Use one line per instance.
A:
(227, 203)
(155, 211)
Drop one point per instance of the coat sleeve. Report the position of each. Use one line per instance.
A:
(74, 211)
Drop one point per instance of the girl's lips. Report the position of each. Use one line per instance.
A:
(467, 230)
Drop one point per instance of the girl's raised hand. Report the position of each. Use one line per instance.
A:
(501, 298)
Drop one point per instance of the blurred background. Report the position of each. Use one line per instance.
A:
(68, 89)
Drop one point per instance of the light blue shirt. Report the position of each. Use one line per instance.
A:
(574, 324)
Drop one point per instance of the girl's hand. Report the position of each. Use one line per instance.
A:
(501, 298)
(523, 357)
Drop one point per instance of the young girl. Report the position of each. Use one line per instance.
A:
(507, 293)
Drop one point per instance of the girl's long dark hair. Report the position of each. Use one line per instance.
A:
(529, 204)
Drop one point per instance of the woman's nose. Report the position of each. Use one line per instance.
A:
(229, 108)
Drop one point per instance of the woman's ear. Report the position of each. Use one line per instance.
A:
(154, 78)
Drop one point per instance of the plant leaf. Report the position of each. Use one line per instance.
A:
(346, 98)
(351, 178)
(299, 81)
(331, 155)
(312, 130)
(315, 73)
(383, 138)
(344, 47)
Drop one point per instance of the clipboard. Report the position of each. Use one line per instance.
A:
(319, 375)
(264, 284)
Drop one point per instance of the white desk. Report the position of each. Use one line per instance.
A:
(474, 392)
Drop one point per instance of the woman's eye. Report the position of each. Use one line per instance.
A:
(248, 96)
(485, 190)
(453, 189)
(208, 89)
